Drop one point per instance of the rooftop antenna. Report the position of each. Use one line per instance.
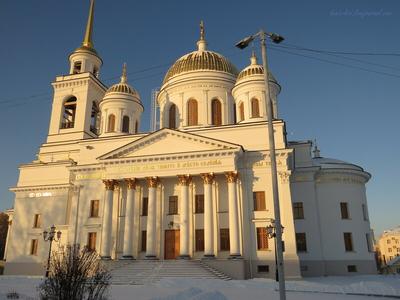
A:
(154, 110)
(316, 150)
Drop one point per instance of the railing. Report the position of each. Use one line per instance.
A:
(65, 125)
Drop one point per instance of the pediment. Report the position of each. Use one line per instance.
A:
(168, 142)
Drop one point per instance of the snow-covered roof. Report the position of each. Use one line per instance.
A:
(330, 163)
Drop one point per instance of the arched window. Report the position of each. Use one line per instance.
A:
(94, 118)
(111, 123)
(216, 112)
(192, 112)
(255, 109)
(172, 117)
(136, 127)
(241, 111)
(69, 113)
(125, 124)
(77, 67)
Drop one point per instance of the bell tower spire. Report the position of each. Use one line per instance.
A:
(87, 40)
(85, 58)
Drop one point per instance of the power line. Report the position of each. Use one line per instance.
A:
(345, 52)
(334, 62)
(339, 56)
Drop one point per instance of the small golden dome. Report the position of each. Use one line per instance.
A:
(254, 69)
(201, 61)
(123, 86)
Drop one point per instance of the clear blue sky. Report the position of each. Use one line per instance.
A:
(352, 113)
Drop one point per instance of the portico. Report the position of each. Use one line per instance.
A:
(144, 187)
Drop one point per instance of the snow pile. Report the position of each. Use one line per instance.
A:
(319, 288)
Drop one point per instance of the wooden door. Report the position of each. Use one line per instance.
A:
(171, 244)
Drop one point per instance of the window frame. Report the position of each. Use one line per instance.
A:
(344, 211)
(257, 201)
(301, 242)
(125, 124)
(348, 242)
(34, 247)
(262, 239)
(92, 240)
(255, 108)
(145, 206)
(199, 240)
(111, 123)
(94, 211)
(173, 205)
(37, 221)
(172, 116)
(192, 113)
(298, 211)
(216, 112)
(143, 241)
(224, 242)
(199, 204)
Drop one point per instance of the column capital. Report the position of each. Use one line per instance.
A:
(110, 184)
(208, 178)
(131, 183)
(232, 176)
(184, 179)
(152, 181)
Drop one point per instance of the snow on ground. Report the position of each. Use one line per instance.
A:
(319, 288)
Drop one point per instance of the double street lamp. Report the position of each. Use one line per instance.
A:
(50, 236)
(276, 38)
(271, 233)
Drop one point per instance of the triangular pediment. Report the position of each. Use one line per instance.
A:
(167, 142)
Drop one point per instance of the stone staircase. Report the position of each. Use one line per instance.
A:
(139, 272)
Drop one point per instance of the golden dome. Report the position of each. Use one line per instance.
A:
(123, 86)
(254, 69)
(201, 61)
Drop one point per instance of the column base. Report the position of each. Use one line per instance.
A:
(127, 257)
(208, 256)
(183, 257)
(105, 257)
(235, 256)
(151, 257)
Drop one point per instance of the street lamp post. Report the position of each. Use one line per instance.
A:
(278, 227)
(51, 236)
(271, 233)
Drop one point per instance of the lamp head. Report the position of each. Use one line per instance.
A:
(45, 234)
(58, 235)
(245, 42)
(276, 38)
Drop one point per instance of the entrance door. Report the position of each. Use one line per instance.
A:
(171, 248)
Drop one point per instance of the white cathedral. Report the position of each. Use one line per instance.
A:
(197, 188)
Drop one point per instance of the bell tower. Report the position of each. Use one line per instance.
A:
(75, 110)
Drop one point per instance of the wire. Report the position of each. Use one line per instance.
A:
(340, 56)
(344, 52)
(279, 48)
(334, 62)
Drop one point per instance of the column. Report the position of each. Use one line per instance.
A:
(208, 180)
(7, 238)
(105, 252)
(151, 236)
(234, 239)
(184, 181)
(129, 210)
(73, 216)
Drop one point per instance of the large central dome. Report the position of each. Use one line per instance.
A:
(201, 60)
